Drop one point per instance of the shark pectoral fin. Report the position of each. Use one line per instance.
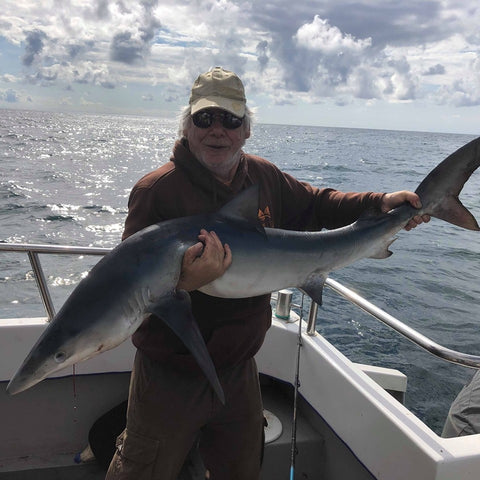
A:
(382, 251)
(313, 287)
(176, 311)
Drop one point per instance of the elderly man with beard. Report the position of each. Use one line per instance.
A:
(171, 404)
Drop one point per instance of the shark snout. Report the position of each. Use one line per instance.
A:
(19, 383)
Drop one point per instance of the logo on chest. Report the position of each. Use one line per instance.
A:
(265, 217)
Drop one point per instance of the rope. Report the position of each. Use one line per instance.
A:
(294, 451)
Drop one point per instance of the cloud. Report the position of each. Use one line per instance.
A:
(133, 46)
(78, 43)
(9, 96)
(8, 78)
(343, 49)
(34, 43)
(102, 11)
(357, 50)
(330, 54)
(89, 72)
(363, 83)
(262, 54)
(435, 70)
(465, 91)
(127, 49)
(320, 36)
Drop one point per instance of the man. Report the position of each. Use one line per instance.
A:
(464, 414)
(171, 404)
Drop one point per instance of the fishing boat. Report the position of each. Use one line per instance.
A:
(328, 417)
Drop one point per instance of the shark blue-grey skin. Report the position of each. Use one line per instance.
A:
(140, 275)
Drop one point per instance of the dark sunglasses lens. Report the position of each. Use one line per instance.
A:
(202, 119)
(231, 121)
(205, 120)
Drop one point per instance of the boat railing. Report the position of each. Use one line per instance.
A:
(34, 250)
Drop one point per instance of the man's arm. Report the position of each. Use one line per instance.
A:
(208, 259)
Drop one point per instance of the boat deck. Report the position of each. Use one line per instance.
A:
(311, 459)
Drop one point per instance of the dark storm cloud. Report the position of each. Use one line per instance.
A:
(262, 54)
(75, 50)
(389, 22)
(107, 84)
(392, 22)
(133, 46)
(435, 70)
(102, 10)
(34, 43)
(126, 49)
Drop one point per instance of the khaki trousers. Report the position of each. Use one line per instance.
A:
(169, 410)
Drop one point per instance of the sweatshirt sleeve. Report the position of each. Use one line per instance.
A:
(305, 207)
(141, 211)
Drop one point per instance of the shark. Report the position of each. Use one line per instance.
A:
(139, 276)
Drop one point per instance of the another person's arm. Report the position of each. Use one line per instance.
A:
(395, 199)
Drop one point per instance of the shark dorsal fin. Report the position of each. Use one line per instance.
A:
(243, 209)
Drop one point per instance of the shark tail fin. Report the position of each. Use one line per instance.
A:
(453, 211)
(175, 310)
(440, 189)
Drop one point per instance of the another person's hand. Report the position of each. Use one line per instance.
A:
(204, 262)
(395, 199)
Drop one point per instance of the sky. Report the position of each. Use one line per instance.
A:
(391, 64)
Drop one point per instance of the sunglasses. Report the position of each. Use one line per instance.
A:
(205, 119)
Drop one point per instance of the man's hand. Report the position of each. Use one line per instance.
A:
(204, 262)
(395, 199)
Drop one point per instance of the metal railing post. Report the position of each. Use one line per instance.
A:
(312, 319)
(42, 284)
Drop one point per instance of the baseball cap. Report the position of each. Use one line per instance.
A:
(218, 88)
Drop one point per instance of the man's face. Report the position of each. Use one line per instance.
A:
(216, 147)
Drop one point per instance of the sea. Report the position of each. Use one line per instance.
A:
(65, 179)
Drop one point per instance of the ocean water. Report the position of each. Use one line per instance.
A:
(65, 179)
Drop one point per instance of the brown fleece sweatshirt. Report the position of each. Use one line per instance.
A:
(234, 329)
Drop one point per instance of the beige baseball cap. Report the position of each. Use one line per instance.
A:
(218, 88)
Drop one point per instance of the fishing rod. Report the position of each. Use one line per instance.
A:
(293, 450)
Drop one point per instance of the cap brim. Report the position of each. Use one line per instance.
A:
(236, 107)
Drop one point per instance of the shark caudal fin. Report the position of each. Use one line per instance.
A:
(176, 311)
(440, 189)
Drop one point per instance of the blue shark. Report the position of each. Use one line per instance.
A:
(139, 277)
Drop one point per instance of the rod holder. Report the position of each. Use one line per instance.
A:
(284, 303)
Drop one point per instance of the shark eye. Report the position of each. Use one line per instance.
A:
(60, 357)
